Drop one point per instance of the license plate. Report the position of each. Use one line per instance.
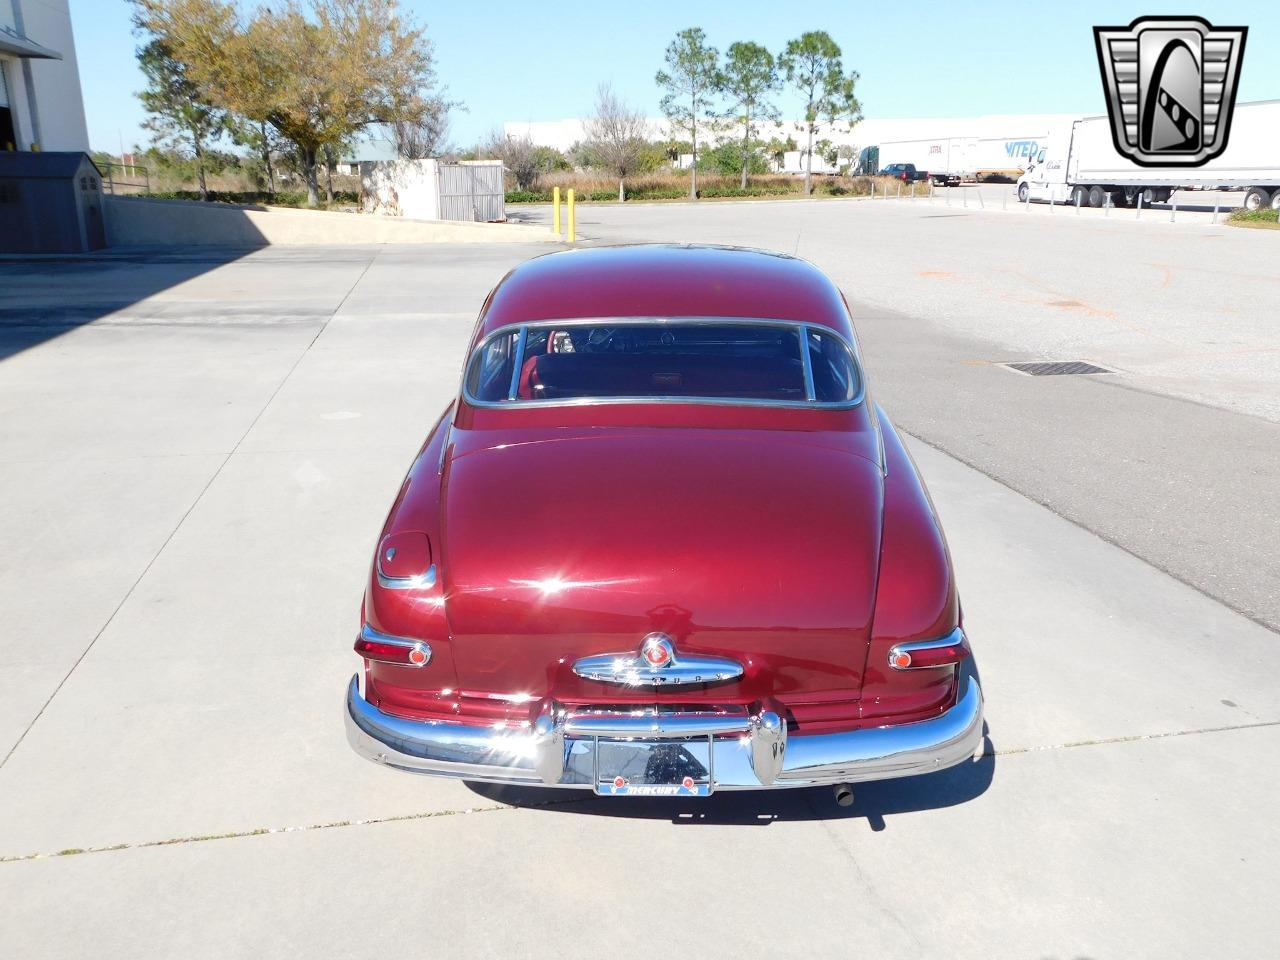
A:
(653, 768)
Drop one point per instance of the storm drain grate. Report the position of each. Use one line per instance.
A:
(1056, 368)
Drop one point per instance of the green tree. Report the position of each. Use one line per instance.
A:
(747, 78)
(728, 158)
(180, 119)
(689, 79)
(264, 143)
(812, 65)
(318, 71)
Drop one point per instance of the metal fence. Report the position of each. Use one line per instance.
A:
(472, 191)
(120, 179)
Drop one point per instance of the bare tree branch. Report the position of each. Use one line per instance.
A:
(615, 136)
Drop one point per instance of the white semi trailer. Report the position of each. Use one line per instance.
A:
(1086, 169)
(945, 158)
(950, 160)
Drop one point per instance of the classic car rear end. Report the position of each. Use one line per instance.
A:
(662, 544)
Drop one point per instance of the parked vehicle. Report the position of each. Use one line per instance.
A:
(663, 543)
(906, 172)
(942, 157)
(1087, 170)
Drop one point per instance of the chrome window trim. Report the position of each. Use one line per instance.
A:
(802, 328)
(370, 635)
(517, 362)
(806, 361)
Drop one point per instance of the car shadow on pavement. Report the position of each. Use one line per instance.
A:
(873, 801)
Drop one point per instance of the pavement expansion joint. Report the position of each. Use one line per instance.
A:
(265, 831)
(988, 751)
(258, 832)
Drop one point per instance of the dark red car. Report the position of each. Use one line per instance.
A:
(663, 544)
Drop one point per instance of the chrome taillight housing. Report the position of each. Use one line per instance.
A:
(404, 651)
(923, 654)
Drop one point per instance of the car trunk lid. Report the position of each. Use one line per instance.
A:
(761, 546)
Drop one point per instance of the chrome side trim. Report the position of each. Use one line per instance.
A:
(409, 643)
(956, 636)
(422, 581)
(510, 403)
(634, 671)
(558, 748)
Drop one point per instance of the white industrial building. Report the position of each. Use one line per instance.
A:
(1015, 137)
(41, 107)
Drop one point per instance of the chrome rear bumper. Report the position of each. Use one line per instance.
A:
(750, 749)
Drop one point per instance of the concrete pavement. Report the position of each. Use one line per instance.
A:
(201, 474)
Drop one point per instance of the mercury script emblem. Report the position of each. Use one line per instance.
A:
(1170, 84)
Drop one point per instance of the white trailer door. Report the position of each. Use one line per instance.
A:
(1073, 155)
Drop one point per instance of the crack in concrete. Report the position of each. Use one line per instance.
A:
(258, 832)
(879, 902)
(1132, 738)
(567, 801)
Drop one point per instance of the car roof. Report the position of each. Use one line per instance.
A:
(666, 280)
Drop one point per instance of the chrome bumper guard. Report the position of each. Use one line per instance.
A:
(750, 749)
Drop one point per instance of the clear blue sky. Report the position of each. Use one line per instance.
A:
(525, 61)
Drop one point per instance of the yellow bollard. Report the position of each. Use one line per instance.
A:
(573, 225)
(555, 207)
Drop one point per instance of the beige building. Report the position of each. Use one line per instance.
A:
(41, 107)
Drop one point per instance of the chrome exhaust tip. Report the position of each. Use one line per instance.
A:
(844, 794)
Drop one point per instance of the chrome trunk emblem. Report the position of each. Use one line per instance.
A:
(657, 664)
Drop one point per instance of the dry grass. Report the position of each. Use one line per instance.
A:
(674, 185)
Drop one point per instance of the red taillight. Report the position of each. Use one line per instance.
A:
(922, 654)
(373, 645)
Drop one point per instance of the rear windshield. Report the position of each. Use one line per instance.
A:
(759, 362)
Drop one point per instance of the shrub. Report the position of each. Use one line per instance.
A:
(279, 199)
(1255, 216)
(528, 196)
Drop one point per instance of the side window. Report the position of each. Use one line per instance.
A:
(835, 378)
(489, 378)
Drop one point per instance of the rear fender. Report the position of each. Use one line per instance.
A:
(417, 613)
(915, 592)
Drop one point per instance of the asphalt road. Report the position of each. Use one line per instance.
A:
(197, 451)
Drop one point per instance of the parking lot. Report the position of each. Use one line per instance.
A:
(199, 447)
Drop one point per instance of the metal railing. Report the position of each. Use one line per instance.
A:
(1215, 206)
(127, 179)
